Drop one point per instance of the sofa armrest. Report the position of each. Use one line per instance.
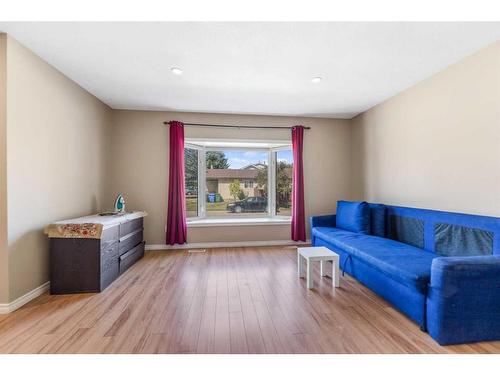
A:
(463, 301)
(323, 221)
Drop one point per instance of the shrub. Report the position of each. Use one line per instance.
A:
(241, 195)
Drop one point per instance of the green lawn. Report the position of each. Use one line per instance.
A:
(191, 207)
(218, 206)
(191, 204)
(285, 211)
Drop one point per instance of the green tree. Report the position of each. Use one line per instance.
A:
(283, 183)
(216, 160)
(241, 195)
(191, 170)
(262, 179)
(234, 189)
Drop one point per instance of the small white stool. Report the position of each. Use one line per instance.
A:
(318, 254)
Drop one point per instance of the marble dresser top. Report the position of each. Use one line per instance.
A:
(89, 226)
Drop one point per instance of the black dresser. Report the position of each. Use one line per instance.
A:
(80, 265)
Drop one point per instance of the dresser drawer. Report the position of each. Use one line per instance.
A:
(130, 241)
(130, 226)
(128, 259)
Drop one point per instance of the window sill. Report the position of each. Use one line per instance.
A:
(232, 222)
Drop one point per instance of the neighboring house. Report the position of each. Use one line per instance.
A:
(257, 166)
(218, 181)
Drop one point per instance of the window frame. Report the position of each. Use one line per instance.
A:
(201, 165)
(271, 176)
(274, 151)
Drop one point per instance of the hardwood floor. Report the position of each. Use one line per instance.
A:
(235, 300)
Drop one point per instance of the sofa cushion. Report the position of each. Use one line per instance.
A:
(378, 219)
(458, 240)
(406, 229)
(401, 262)
(353, 216)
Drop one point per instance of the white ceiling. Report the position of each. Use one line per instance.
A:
(258, 68)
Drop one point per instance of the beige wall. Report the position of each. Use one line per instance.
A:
(223, 187)
(437, 144)
(4, 259)
(139, 166)
(56, 149)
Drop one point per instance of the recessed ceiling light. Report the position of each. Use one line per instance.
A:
(176, 71)
(316, 79)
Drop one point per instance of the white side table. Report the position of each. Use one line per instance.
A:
(318, 254)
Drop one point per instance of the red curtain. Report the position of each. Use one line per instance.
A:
(176, 214)
(298, 212)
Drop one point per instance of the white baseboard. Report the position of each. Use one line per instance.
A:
(6, 308)
(199, 245)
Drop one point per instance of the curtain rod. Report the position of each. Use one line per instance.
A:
(240, 126)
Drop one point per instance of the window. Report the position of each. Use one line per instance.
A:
(284, 172)
(191, 181)
(229, 179)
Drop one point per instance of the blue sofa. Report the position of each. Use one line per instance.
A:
(441, 269)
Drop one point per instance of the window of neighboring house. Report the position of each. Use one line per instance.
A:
(227, 179)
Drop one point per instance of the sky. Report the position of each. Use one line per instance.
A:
(240, 159)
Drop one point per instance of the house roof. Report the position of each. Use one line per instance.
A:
(238, 173)
(255, 166)
(232, 173)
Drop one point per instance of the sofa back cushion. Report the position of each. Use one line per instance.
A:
(444, 233)
(406, 229)
(458, 240)
(353, 216)
(378, 219)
